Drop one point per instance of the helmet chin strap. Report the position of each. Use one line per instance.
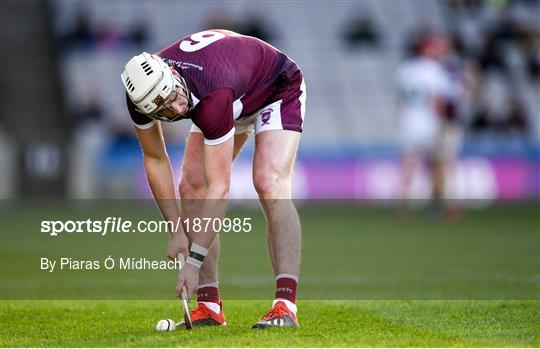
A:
(187, 95)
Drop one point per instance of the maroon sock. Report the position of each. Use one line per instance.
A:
(286, 288)
(208, 294)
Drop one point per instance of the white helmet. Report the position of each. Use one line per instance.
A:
(149, 83)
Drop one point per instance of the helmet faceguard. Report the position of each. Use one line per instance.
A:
(165, 112)
(152, 86)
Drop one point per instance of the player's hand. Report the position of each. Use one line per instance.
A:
(178, 243)
(189, 277)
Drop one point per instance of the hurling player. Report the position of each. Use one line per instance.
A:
(230, 86)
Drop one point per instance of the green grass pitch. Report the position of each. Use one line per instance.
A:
(323, 323)
(368, 280)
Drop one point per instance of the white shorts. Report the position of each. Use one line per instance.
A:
(449, 141)
(286, 113)
(248, 124)
(442, 144)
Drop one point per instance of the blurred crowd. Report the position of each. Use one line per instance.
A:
(86, 34)
(495, 49)
(503, 50)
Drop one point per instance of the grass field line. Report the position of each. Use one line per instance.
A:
(365, 280)
(312, 280)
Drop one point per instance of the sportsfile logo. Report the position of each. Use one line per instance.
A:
(121, 225)
(108, 225)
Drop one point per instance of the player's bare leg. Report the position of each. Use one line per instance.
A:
(441, 205)
(192, 192)
(275, 152)
(438, 169)
(410, 165)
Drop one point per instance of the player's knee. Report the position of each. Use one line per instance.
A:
(192, 187)
(272, 185)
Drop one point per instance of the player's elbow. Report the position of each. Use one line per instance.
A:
(155, 158)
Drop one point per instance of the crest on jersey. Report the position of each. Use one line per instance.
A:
(265, 116)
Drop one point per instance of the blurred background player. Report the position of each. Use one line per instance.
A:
(230, 86)
(427, 117)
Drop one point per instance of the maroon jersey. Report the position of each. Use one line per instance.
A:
(229, 75)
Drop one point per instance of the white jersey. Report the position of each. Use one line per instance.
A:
(420, 81)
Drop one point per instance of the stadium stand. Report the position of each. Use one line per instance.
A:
(351, 101)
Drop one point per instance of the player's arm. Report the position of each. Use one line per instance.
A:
(443, 89)
(157, 165)
(161, 180)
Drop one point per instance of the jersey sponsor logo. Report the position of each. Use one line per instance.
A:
(266, 115)
(186, 65)
(183, 65)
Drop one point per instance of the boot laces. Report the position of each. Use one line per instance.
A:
(201, 311)
(276, 311)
